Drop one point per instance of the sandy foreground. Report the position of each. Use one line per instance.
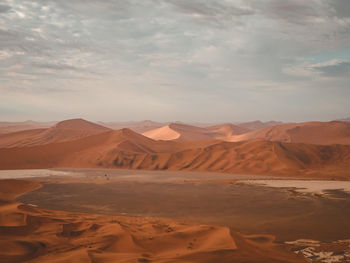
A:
(32, 234)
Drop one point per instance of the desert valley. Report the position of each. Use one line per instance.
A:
(78, 191)
(166, 131)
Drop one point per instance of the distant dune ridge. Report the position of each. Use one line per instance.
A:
(71, 144)
(63, 131)
(323, 133)
(256, 125)
(8, 127)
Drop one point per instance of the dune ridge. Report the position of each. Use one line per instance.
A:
(127, 149)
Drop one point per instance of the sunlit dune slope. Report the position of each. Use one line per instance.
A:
(322, 133)
(63, 131)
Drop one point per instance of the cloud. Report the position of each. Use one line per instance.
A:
(176, 57)
(334, 68)
(341, 8)
(4, 8)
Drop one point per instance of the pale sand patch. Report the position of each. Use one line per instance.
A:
(304, 186)
(163, 133)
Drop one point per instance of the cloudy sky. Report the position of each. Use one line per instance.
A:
(187, 60)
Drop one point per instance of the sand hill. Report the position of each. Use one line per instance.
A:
(63, 131)
(323, 133)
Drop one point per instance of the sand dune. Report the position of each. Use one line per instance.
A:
(63, 131)
(127, 149)
(322, 133)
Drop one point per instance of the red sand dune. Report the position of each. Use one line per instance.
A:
(127, 149)
(63, 131)
(323, 133)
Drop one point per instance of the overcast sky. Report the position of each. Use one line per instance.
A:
(187, 60)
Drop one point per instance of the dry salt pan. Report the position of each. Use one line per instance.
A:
(303, 186)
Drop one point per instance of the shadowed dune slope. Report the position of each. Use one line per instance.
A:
(63, 131)
(127, 149)
(323, 133)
